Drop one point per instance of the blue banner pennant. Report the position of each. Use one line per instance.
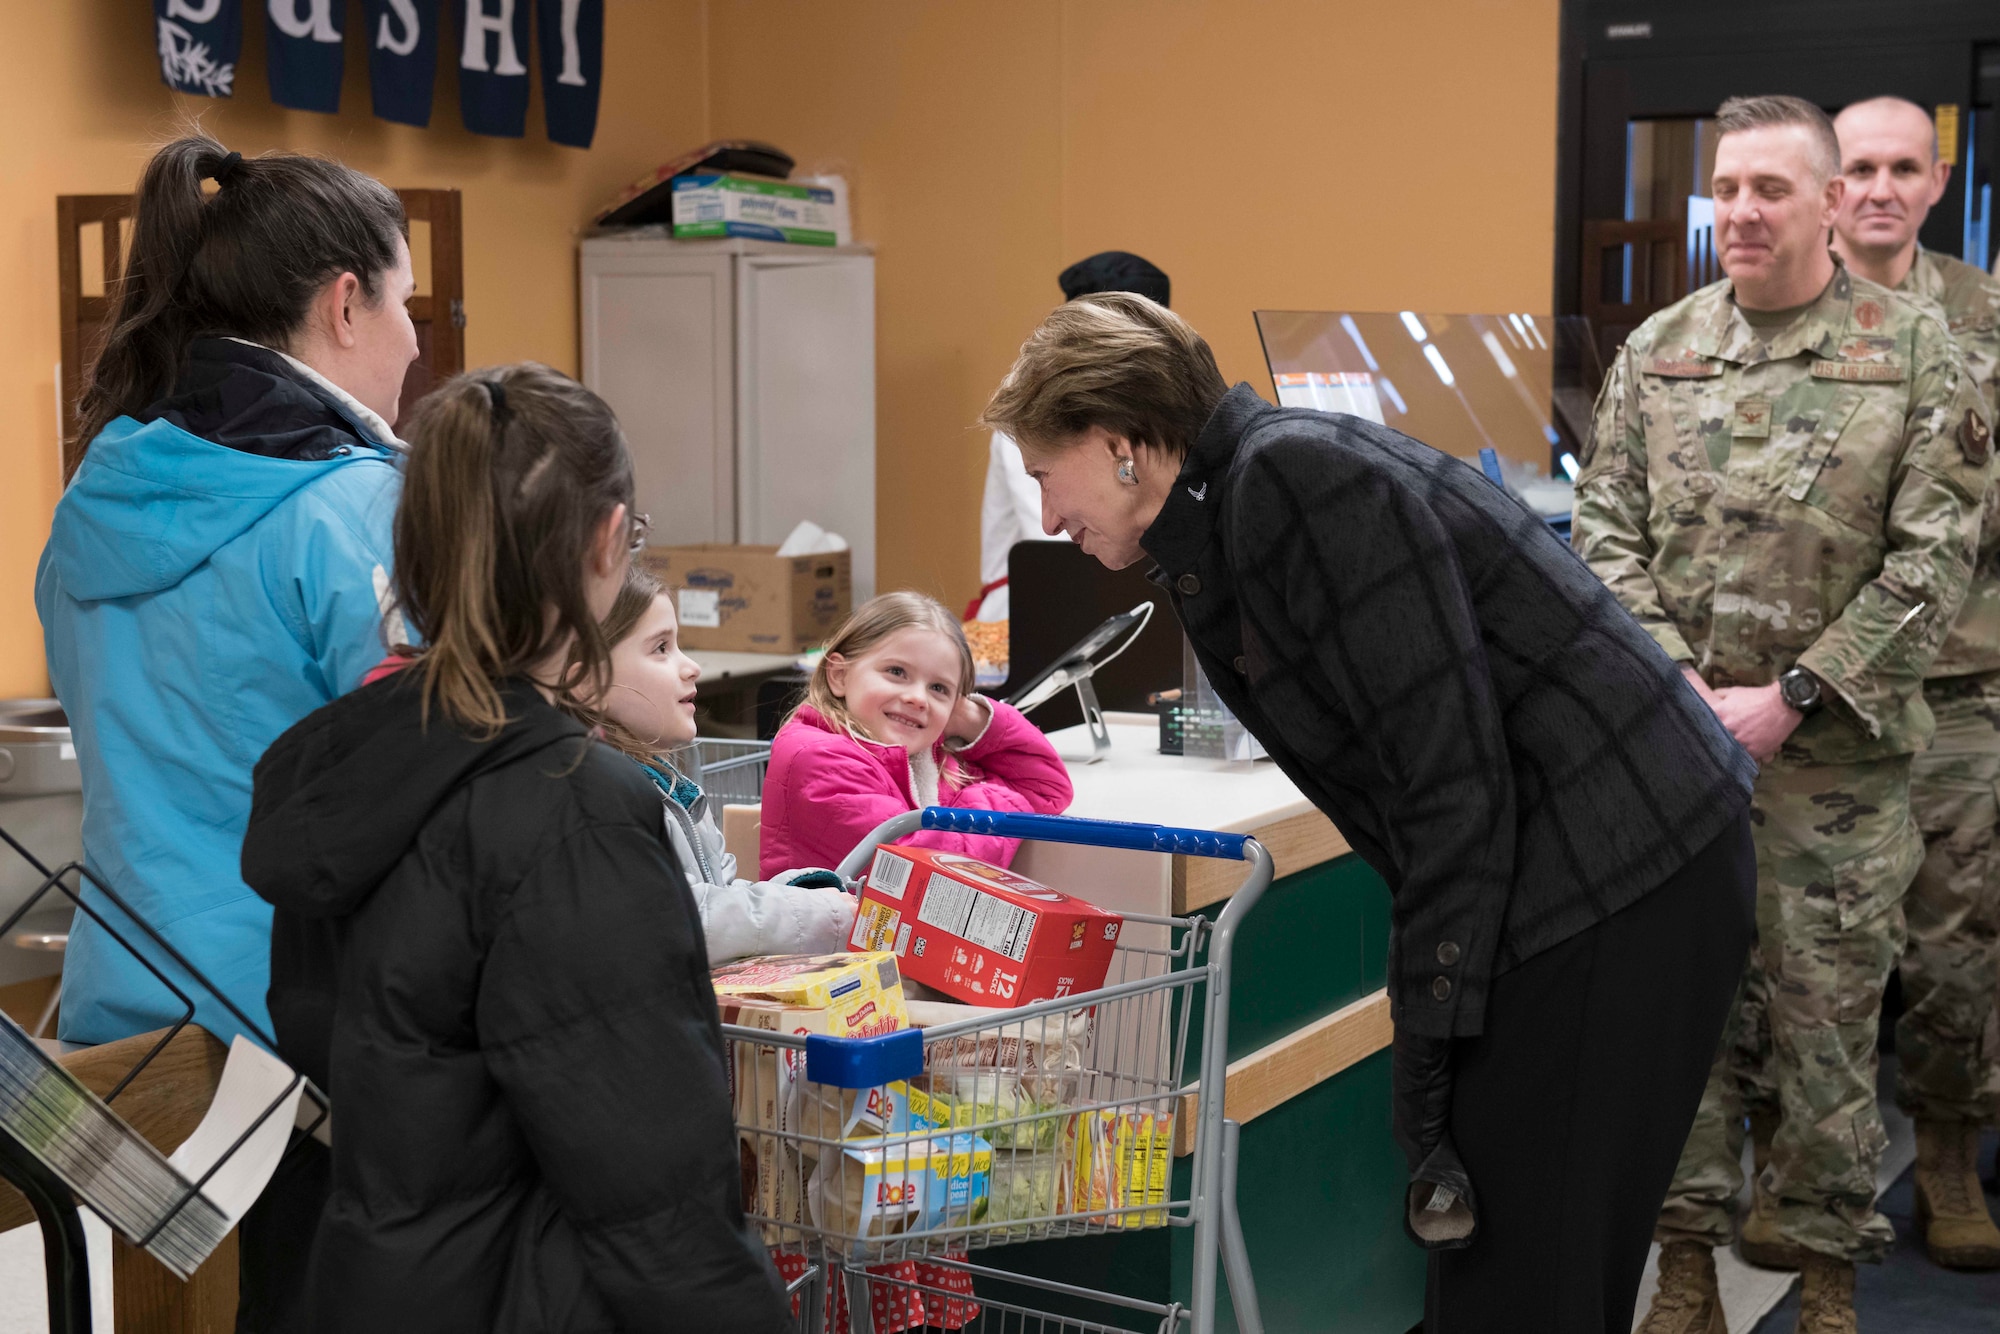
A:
(199, 42)
(402, 37)
(570, 35)
(303, 44)
(492, 66)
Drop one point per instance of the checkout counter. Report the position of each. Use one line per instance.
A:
(1320, 1180)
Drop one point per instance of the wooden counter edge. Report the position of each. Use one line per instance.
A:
(1296, 1062)
(1296, 843)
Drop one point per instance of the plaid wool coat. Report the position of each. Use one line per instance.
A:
(1436, 671)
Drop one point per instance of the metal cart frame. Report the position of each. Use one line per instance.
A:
(871, 1063)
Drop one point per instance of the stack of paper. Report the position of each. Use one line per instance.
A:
(111, 1169)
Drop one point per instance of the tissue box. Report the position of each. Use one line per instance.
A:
(979, 933)
(752, 600)
(727, 203)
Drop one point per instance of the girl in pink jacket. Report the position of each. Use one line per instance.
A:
(890, 724)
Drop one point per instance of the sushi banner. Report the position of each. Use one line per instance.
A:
(570, 34)
(492, 66)
(402, 58)
(303, 43)
(199, 42)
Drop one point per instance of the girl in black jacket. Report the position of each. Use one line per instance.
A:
(482, 946)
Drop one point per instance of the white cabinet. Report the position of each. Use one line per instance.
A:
(744, 375)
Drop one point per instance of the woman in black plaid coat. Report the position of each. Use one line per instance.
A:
(1561, 821)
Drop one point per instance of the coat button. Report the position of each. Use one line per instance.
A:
(1188, 584)
(1448, 953)
(1242, 665)
(1441, 988)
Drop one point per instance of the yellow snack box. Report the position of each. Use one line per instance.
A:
(861, 994)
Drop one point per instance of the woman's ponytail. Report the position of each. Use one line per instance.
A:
(511, 470)
(245, 260)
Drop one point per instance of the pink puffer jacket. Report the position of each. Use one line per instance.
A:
(825, 790)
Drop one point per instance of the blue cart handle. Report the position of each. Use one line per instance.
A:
(1091, 833)
(1049, 829)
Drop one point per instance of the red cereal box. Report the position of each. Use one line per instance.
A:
(979, 933)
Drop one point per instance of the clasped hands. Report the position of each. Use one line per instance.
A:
(1757, 716)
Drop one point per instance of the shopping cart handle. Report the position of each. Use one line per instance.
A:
(1091, 833)
(863, 1063)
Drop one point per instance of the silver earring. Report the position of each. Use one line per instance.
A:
(1127, 473)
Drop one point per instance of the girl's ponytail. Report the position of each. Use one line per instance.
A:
(511, 471)
(246, 261)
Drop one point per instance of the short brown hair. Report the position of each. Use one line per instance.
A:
(510, 472)
(1754, 113)
(1114, 360)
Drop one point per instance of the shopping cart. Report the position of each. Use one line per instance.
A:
(877, 1166)
(730, 772)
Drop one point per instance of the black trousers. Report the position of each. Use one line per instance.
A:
(1571, 1109)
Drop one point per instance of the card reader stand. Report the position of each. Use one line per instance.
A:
(1077, 666)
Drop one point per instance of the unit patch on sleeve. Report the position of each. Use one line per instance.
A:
(1975, 439)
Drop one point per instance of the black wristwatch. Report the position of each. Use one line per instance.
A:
(1800, 689)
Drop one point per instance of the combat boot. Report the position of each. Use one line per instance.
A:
(1687, 1302)
(1826, 1299)
(1951, 1208)
(1758, 1241)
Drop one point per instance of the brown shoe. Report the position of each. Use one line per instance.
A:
(1826, 1299)
(1687, 1302)
(1951, 1208)
(1759, 1242)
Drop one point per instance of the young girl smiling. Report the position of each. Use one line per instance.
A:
(890, 724)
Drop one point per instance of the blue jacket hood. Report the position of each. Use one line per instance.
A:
(151, 502)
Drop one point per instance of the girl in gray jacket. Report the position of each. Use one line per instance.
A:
(648, 710)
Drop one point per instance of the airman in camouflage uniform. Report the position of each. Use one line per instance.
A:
(1951, 969)
(1893, 177)
(1766, 496)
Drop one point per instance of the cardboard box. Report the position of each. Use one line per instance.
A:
(745, 599)
(729, 203)
(979, 933)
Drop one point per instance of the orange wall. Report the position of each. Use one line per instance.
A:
(1370, 154)
(84, 119)
(1280, 153)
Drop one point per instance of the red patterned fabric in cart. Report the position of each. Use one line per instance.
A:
(898, 1304)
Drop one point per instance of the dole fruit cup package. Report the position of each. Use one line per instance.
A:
(979, 933)
(885, 1186)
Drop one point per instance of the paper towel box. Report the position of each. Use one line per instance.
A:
(747, 599)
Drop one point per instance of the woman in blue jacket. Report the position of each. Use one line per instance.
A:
(217, 565)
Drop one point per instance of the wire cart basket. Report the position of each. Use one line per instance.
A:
(877, 1166)
(731, 772)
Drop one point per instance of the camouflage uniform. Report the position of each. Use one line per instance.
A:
(1808, 496)
(1949, 969)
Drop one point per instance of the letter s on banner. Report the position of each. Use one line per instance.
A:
(305, 50)
(570, 35)
(402, 58)
(493, 88)
(199, 43)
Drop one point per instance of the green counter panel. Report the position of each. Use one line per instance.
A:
(1320, 1181)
